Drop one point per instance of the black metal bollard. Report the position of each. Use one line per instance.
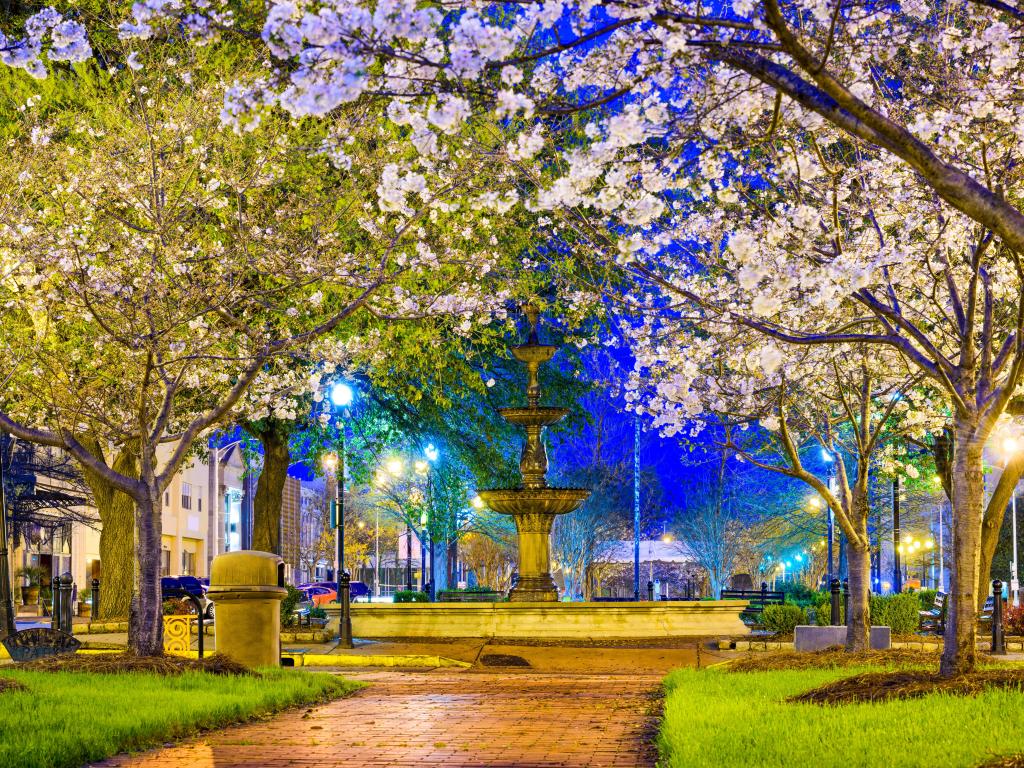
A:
(998, 639)
(55, 602)
(95, 612)
(650, 591)
(846, 602)
(345, 631)
(835, 618)
(67, 588)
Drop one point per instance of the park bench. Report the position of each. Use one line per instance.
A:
(934, 618)
(757, 598)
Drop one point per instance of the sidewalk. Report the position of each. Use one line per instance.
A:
(450, 718)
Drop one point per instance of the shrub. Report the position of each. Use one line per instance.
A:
(783, 619)
(899, 612)
(823, 610)
(927, 598)
(317, 613)
(289, 604)
(411, 596)
(1013, 620)
(798, 594)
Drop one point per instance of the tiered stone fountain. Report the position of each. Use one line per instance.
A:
(534, 504)
(533, 610)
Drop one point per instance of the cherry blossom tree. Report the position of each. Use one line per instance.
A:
(767, 403)
(155, 265)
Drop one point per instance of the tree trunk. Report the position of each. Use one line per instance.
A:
(858, 620)
(958, 654)
(269, 496)
(117, 532)
(992, 522)
(145, 618)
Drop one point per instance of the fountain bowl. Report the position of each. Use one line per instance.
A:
(534, 353)
(544, 501)
(533, 416)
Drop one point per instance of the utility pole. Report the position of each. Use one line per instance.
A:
(897, 572)
(636, 508)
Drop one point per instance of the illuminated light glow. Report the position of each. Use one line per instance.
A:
(477, 502)
(342, 394)
(815, 502)
(1011, 445)
(330, 462)
(394, 466)
(421, 467)
(431, 452)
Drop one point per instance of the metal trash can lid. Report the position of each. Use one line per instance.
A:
(247, 568)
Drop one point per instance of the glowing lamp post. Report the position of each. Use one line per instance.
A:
(341, 398)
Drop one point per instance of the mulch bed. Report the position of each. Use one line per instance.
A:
(1005, 761)
(908, 684)
(116, 663)
(832, 658)
(8, 685)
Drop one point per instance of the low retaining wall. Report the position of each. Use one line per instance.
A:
(549, 620)
(814, 638)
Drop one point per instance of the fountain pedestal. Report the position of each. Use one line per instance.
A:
(534, 505)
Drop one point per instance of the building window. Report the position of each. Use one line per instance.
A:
(199, 501)
(165, 562)
(186, 495)
(167, 498)
(188, 563)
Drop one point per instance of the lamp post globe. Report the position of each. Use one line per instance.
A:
(341, 395)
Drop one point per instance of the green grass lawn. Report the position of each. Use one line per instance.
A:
(71, 718)
(716, 718)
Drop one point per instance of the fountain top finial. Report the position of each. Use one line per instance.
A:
(532, 313)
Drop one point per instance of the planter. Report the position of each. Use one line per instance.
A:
(29, 595)
(84, 608)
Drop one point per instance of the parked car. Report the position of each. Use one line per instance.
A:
(356, 589)
(184, 586)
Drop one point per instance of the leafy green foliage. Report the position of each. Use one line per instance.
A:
(900, 612)
(411, 596)
(289, 604)
(783, 619)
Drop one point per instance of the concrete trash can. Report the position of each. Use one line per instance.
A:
(247, 588)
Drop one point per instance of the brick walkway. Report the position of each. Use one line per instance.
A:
(455, 719)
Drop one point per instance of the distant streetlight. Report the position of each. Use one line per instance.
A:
(477, 502)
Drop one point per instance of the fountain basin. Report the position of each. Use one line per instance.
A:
(534, 501)
(550, 620)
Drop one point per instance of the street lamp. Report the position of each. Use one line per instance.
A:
(828, 458)
(341, 398)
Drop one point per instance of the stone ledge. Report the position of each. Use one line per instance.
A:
(589, 621)
(315, 636)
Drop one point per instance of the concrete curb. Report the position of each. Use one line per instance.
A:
(384, 660)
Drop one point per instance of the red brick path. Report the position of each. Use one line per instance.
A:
(455, 719)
